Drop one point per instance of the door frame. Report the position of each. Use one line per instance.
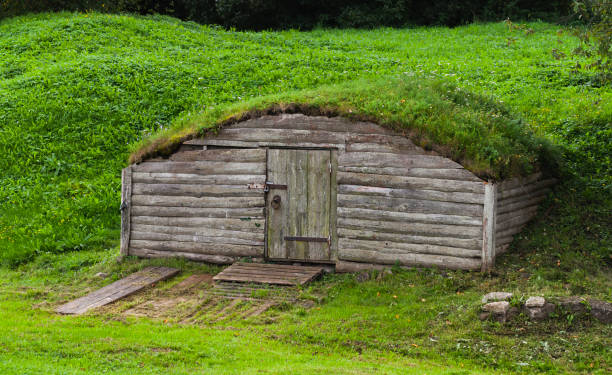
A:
(333, 248)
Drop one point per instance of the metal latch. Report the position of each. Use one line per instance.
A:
(271, 185)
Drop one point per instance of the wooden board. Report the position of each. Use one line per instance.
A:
(117, 290)
(262, 273)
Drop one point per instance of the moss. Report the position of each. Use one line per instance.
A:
(480, 133)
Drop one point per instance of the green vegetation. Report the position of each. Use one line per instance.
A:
(79, 91)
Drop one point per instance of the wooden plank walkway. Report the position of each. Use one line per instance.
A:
(262, 273)
(117, 290)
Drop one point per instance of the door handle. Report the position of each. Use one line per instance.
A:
(276, 201)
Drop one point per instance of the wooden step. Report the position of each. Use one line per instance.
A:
(117, 290)
(262, 273)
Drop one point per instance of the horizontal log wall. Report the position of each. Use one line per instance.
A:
(199, 204)
(517, 204)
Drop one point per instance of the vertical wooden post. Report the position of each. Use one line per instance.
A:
(126, 205)
(488, 226)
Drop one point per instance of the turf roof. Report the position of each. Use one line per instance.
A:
(475, 131)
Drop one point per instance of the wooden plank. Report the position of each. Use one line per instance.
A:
(284, 136)
(126, 207)
(190, 190)
(238, 224)
(254, 155)
(318, 203)
(524, 189)
(357, 146)
(200, 231)
(409, 259)
(517, 182)
(407, 227)
(295, 144)
(276, 226)
(117, 290)
(527, 211)
(522, 204)
(200, 248)
(268, 274)
(333, 206)
(297, 187)
(197, 179)
(254, 213)
(201, 167)
(518, 221)
(432, 173)
(207, 258)
(208, 239)
(527, 196)
(198, 202)
(375, 235)
(431, 195)
(401, 248)
(376, 214)
(384, 160)
(414, 183)
(409, 205)
(488, 227)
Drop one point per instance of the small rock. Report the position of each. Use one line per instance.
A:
(601, 310)
(540, 313)
(512, 312)
(102, 275)
(574, 305)
(484, 315)
(535, 302)
(362, 276)
(496, 296)
(497, 310)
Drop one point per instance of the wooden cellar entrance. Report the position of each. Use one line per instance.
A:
(299, 205)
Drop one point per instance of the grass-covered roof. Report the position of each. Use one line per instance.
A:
(479, 133)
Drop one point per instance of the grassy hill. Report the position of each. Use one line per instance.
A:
(78, 92)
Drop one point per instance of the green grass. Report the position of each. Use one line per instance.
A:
(79, 91)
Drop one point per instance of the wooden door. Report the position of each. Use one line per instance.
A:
(298, 204)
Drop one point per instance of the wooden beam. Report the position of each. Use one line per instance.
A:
(126, 206)
(488, 227)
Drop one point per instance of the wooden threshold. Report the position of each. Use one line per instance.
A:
(263, 273)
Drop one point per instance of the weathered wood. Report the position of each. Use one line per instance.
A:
(276, 226)
(195, 190)
(524, 189)
(517, 182)
(512, 230)
(201, 167)
(207, 258)
(268, 274)
(401, 248)
(432, 173)
(333, 207)
(488, 227)
(200, 231)
(403, 182)
(188, 178)
(526, 196)
(527, 211)
(151, 236)
(235, 143)
(375, 214)
(202, 202)
(518, 221)
(199, 248)
(376, 235)
(284, 136)
(253, 155)
(126, 206)
(522, 204)
(409, 227)
(254, 213)
(318, 202)
(343, 266)
(382, 147)
(385, 160)
(432, 195)
(117, 290)
(409, 259)
(409, 205)
(237, 224)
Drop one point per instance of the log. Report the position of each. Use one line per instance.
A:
(237, 224)
(409, 205)
(126, 206)
(407, 227)
(518, 221)
(432, 173)
(191, 190)
(254, 213)
(488, 227)
(374, 235)
(414, 217)
(383, 147)
(343, 266)
(519, 205)
(149, 236)
(401, 248)
(254, 155)
(188, 178)
(423, 260)
(199, 248)
(382, 160)
(525, 189)
(215, 259)
(414, 183)
(522, 198)
(531, 210)
(203, 202)
(200, 231)
(202, 167)
(517, 182)
(283, 136)
(432, 195)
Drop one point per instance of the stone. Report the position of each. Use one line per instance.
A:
(512, 312)
(102, 275)
(535, 302)
(601, 310)
(497, 310)
(496, 296)
(484, 315)
(540, 313)
(574, 305)
(362, 276)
